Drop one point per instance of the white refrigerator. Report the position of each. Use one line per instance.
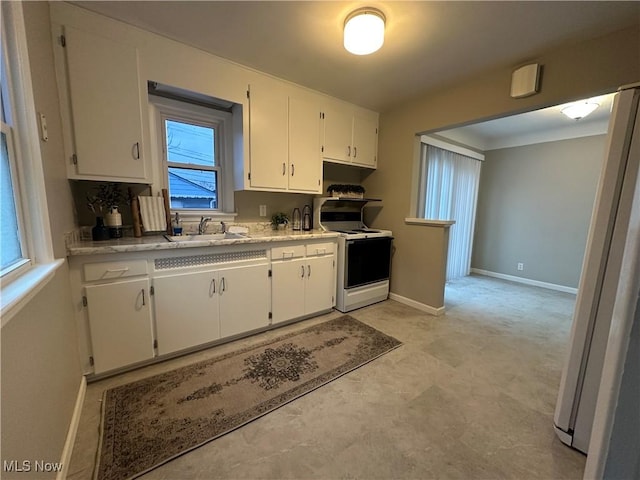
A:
(601, 274)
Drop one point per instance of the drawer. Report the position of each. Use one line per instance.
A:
(109, 270)
(291, 251)
(315, 249)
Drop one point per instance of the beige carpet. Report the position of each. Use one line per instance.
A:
(151, 421)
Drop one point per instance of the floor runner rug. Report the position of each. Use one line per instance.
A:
(152, 421)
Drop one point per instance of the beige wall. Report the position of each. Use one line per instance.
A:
(534, 207)
(577, 71)
(40, 369)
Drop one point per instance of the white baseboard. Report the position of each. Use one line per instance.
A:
(65, 459)
(526, 281)
(437, 311)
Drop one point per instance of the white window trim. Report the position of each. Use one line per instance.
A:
(15, 293)
(161, 107)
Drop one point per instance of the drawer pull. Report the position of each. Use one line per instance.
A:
(212, 287)
(118, 270)
(302, 268)
(308, 270)
(143, 299)
(223, 285)
(321, 251)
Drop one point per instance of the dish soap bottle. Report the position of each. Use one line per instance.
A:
(177, 224)
(307, 223)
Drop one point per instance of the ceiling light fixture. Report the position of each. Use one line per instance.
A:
(578, 110)
(364, 31)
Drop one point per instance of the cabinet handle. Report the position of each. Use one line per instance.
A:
(355, 152)
(223, 285)
(308, 270)
(117, 270)
(143, 299)
(212, 285)
(136, 150)
(349, 151)
(293, 169)
(284, 168)
(302, 269)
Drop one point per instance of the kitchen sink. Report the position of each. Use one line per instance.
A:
(204, 237)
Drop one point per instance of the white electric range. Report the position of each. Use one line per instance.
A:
(364, 254)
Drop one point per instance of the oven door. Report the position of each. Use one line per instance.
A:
(367, 260)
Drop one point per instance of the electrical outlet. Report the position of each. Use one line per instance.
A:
(520, 267)
(263, 210)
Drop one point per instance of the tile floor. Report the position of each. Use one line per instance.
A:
(470, 395)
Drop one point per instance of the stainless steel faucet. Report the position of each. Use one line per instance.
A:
(202, 226)
(223, 227)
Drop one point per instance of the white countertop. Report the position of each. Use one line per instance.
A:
(158, 242)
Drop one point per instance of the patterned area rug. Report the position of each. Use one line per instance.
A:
(151, 421)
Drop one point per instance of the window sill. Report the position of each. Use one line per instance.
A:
(16, 294)
(429, 223)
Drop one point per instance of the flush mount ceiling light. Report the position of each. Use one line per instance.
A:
(364, 31)
(578, 110)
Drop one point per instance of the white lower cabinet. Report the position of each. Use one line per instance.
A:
(244, 299)
(132, 308)
(120, 323)
(303, 283)
(186, 310)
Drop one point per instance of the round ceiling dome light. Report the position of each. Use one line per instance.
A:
(578, 110)
(364, 31)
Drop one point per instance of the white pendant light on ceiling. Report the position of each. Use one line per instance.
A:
(578, 110)
(364, 31)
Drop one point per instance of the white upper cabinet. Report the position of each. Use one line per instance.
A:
(365, 139)
(268, 136)
(338, 125)
(284, 139)
(350, 135)
(305, 162)
(104, 97)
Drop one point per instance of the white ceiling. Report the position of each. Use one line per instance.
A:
(428, 45)
(545, 125)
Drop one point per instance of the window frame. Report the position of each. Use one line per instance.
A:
(183, 111)
(19, 286)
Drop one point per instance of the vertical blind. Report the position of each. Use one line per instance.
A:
(449, 191)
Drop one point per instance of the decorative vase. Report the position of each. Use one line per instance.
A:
(113, 220)
(100, 230)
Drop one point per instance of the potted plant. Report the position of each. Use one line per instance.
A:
(347, 191)
(279, 220)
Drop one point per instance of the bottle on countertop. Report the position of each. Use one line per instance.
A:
(296, 219)
(113, 220)
(176, 225)
(307, 221)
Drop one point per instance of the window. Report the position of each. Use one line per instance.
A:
(13, 251)
(449, 178)
(196, 142)
(25, 235)
(193, 167)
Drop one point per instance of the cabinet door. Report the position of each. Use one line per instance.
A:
(320, 288)
(268, 136)
(305, 162)
(105, 105)
(244, 299)
(186, 310)
(287, 289)
(365, 140)
(120, 323)
(337, 133)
